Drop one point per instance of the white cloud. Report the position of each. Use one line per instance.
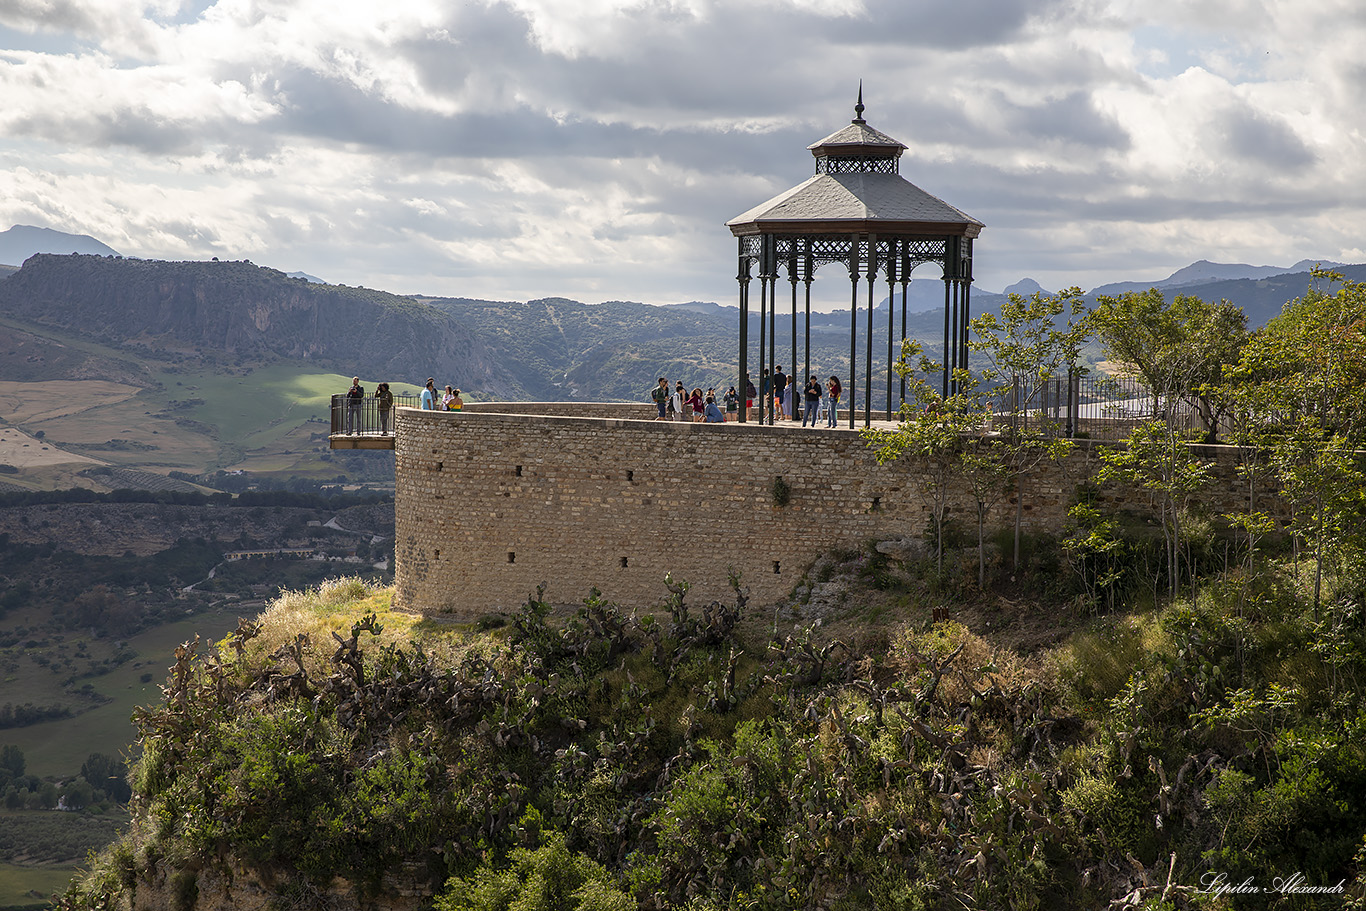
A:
(524, 148)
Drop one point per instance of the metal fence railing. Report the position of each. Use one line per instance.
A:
(1097, 407)
(364, 417)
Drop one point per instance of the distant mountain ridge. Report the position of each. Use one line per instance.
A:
(22, 241)
(237, 312)
(551, 349)
(1203, 272)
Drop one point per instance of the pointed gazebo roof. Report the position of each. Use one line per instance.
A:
(856, 189)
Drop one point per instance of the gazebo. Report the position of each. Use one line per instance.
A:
(857, 210)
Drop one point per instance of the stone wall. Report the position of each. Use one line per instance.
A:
(489, 505)
(643, 411)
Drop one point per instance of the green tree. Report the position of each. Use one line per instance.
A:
(12, 759)
(1299, 388)
(549, 878)
(1035, 342)
(1156, 457)
(108, 775)
(931, 430)
(1180, 352)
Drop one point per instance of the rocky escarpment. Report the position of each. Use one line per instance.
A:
(240, 312)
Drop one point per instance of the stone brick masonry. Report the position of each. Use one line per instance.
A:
(489, 505)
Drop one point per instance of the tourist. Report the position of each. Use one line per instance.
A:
(385, 400)
(713, 413)
(813, 400)
(456, 403)
(355, 397)
(660, 395)
(447, 399)
(832, 400)
(429, 396)
(779, 388)
(791, 399)
(732, 400)
(750, 393)
(677, 400)
(696, 404)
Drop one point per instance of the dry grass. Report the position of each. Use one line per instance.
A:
(337, 604)
(980, 661)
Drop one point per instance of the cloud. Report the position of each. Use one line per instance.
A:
(517, 149)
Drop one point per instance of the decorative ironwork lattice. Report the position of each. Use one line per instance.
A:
(858, 164)
(799, 256)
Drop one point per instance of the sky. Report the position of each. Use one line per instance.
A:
(594, 149)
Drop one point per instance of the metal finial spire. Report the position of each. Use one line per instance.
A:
(858, 108)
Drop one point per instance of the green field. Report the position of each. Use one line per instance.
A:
(271, 420)
(31, 887)
(259, 407)
(57, 748)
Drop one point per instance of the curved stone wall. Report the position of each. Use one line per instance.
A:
(490, 505)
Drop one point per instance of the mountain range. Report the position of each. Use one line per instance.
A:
(242, 315)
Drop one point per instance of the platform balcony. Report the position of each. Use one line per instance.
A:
(360, 424)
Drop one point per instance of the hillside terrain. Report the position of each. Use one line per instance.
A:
(236, 313)
(925, 723)
(853, 755)
(204, 367)
(95, 597)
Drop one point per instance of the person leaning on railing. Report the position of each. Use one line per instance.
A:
(385, 401)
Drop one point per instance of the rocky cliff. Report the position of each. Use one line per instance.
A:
(242, 313)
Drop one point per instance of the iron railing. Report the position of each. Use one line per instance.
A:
(1095, 407)
(363, 417)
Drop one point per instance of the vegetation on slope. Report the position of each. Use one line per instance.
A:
(696, 759)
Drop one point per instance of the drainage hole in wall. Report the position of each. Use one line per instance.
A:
(877, 503)
(512, 557)
(438, 465)
(630, 475)
(623, 562)
(519, 471)
(776, 570)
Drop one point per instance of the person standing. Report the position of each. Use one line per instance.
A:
(779, 389)
(750, 392)
(677, 399)
(429, 397)
(660, 396)
(696, 403)
(833, 400)
(385, 400)
(732, 400)
(456, 403)
(355, 397)
(813, 401)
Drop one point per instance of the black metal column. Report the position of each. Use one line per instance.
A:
(905, 287)
(891, 319)
(763, 325)
(948, 330)
(792, 274)
(855, 271)
(742, 276)
(868, 354)
(808, 316)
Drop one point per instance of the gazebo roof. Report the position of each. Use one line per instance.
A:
(858, 135)
(856, 190)
(856, 202)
